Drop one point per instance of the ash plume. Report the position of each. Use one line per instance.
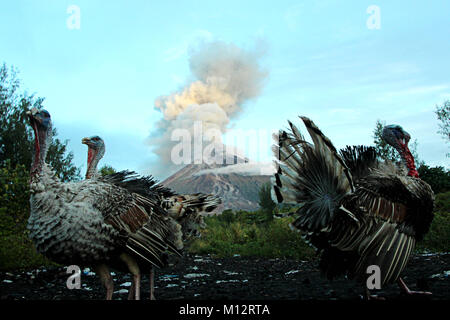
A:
(224, 77)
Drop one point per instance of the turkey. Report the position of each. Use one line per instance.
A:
(96, 151)
(355, 210)
(186, 210)
(93, 222)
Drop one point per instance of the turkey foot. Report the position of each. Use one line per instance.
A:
(409, 292)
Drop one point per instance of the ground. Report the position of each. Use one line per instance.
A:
(194, 277)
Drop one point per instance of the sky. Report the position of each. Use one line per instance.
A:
(101, 65)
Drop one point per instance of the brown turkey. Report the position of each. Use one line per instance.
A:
(94, 222)
(356, 210)
(185, 210)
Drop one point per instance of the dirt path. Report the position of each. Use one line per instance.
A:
(237, 278)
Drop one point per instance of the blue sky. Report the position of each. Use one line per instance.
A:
(323, 62)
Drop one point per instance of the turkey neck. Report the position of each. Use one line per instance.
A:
(42, 139)
(408, 159)
(92, 163)
(94, 157)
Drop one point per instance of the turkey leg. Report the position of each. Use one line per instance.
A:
(102, 271)
(152, 276)
(405, 288)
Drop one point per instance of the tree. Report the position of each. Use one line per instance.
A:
(16, 136)
(387, 152)
(443, 115)
(265, 200)
(437, 177)
(106, 169)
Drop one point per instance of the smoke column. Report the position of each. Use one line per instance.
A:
(224, 77)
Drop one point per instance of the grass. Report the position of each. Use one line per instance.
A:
(250, 234)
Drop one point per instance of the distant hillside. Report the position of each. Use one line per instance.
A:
(237, 191)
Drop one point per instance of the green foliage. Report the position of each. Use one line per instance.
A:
(250, 234)
(438, 238)
(443, 114)
(106, 169)
(226, 217)
(265, 200)
(14, 197)
(16, 249)
(442, 203)
(17, 252)
(437, 177)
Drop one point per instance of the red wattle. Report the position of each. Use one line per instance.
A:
(37, 149)
(90, 156)
(412, 172)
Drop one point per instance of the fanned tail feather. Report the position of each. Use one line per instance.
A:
(313, 175)
(359, 159)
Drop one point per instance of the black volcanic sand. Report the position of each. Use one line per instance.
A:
(196, 277)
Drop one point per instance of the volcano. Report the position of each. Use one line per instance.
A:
(238, 189)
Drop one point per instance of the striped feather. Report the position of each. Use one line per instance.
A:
(312, 174)
(387, 248)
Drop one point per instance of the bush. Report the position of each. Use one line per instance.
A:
(438, 238)
(437, 177)
(17, 252)
(250, 234)
(16, 249)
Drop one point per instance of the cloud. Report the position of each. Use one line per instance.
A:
(223, 78)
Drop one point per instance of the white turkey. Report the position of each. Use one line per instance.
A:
(186, 210)
(93, 222)
(356, 210)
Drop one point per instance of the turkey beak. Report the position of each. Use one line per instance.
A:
(32, 111)
(85, 141)
(34, 118)
(31, 114)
